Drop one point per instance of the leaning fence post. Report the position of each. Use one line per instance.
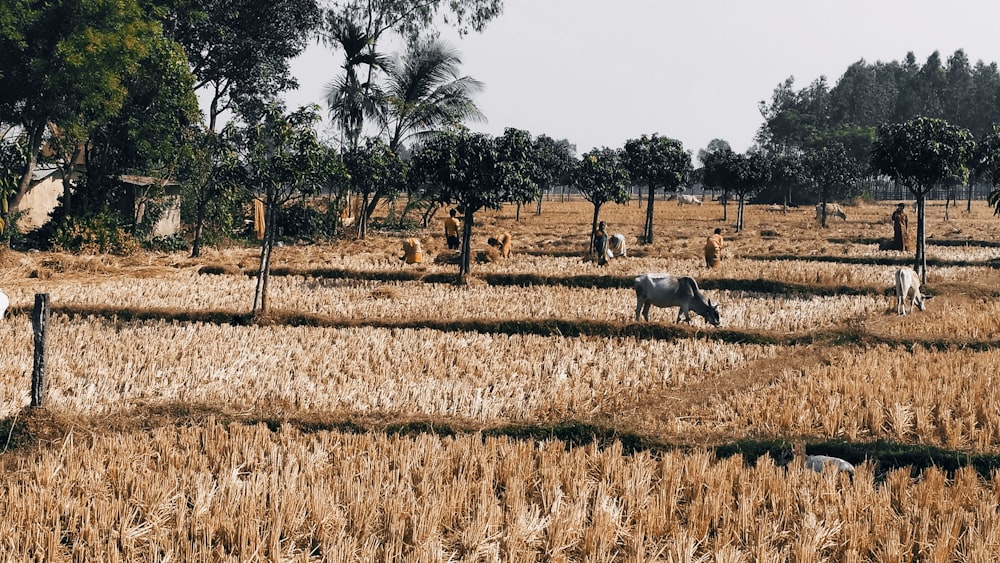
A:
(39, 320)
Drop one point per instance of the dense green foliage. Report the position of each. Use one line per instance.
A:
(658, 163)
(475, 171)
(922, 153)
(601, 176)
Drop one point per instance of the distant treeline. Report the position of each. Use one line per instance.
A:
(870, 94)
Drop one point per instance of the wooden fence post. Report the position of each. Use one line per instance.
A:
(39, 321)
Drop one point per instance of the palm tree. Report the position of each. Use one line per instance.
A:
(351, 101)
(424, 92)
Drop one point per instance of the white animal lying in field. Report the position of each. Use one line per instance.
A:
(616, 246)
(832, 210)
(908, 287)
(685, 198)
(817, 463)
(665, 290)
(4, 303)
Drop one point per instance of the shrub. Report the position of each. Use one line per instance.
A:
(169, 243)
(98, 233)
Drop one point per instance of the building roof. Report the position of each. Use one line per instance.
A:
(146, 180)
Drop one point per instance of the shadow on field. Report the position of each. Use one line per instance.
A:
(39, 428)
(886, 456)
(930, 242)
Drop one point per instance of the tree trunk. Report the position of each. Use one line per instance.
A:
(34, 146)
(725, 205)
(920, 260)
(464, 261)
(593, 228)
(363, 219)
(739, 214)
(260, 301)
(648, 231)
(199, 226)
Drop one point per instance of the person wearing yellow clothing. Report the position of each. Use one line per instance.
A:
(413, 252)
(713, 249)
(451, 225)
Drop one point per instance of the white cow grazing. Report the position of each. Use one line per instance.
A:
(665, 290)
(684, 198)
(616, 246)
(908, 287)
(832, 210)
(4, 303)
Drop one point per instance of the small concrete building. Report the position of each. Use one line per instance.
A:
(46, 188)
(41, 197)
(170, 221)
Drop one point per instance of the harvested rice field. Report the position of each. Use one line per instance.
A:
(382, 412)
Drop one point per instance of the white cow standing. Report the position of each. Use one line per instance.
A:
(832, 210)
(908, 287)
(665, 290)
(690, 199)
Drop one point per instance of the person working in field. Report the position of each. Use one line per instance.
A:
(713, 249)
(616, 246)
(501, 243)
(900, 227)
(451, 225)
(601, 243)
(413, 251)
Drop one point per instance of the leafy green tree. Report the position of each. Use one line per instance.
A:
(424, 92)
(239, 50)
(986, 165)
(601, 176)
(208, 186)
(555, 161)
(920, 154)
(787, 175)
(411, 18)
(359, 26)
(718, 170)
(459, 168)
(280, 160)
(865, 95)
(657, 162)
(830, 172)
(518, 166)
(472, 171)
(350, 100)
(374, 170)
(68, 62)
(12, 159)
(752, 171)
(146, 136)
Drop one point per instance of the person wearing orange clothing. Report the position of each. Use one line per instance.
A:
(413, 251)
(713, 249)
(501, 243)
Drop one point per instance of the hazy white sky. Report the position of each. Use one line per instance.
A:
(600, 72)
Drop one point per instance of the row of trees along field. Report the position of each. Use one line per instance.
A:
(104, 89)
